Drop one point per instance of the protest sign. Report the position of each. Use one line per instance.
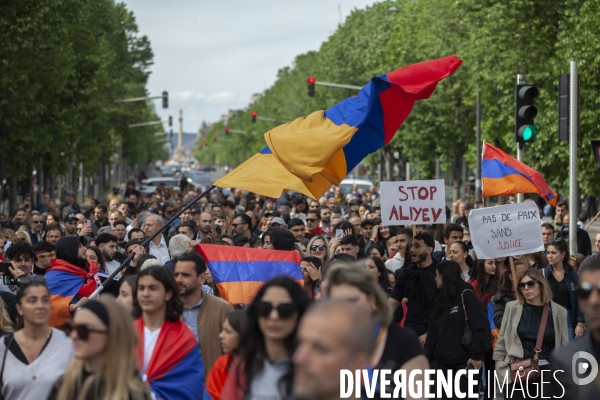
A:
(503, 231)
(413, 202)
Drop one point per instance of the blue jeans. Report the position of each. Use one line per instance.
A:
(570, 327)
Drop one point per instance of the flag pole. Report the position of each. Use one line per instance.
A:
(147, 241)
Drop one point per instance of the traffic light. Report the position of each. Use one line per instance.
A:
(254, 116)
(311, 86)
(206, 142)
(226, 130)
(563, 107)
(215, 138)
(170, 120)
(165, 99)
(525, 113)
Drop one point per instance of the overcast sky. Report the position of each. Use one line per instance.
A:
(211, 56)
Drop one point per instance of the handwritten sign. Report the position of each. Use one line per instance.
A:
(413, 202)
(504, 231)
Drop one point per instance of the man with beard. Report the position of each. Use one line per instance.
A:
(416, 286)
(206, 226)
(71, 225)
(72, 279)
(326, 219)
(202, 313)
(107, 243)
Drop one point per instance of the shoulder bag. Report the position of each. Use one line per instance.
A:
(7, 344)
(467, 337)
(527, 370)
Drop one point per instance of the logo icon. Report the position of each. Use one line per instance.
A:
(581, 367)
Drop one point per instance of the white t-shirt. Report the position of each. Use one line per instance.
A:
(111, 266)
(150, 339)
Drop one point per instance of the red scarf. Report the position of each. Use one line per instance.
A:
(90, 284)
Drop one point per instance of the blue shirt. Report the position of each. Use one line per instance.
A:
(190, 317)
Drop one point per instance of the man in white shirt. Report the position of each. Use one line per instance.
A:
(158, 247)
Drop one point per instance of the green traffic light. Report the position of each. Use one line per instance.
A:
(529, 132)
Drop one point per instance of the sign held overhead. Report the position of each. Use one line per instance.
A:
(503, 231)
(413, 202)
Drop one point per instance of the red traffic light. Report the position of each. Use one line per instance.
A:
(311, 80)
(206, 142)
(215, 138)
(226, 129)
(254, 114)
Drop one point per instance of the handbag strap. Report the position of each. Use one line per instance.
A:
(540, 337)
(463, 304)
(10, 340)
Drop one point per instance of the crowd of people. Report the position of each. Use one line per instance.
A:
(373, 296)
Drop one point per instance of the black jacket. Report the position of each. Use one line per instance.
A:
(444, 335)
(500, 300)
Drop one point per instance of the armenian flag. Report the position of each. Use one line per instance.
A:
(310, 154)
(239, 272)
(67, 282)
(503, 175)
(175, 370)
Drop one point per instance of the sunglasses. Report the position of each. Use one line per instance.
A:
(311, 219)
(284, 310)
(83, 331)
(319, 247)
(528, 284)
(37, 222)
(585, 289)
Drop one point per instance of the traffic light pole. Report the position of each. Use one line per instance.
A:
(520, 147)
(573, 126)
(478, 149)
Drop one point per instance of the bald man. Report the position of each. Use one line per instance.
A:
(331, 337)
(205, 226)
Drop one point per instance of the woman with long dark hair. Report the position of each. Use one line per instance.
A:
(231, 338)
(485, 281)
(311, 272)
(264, 369)
(376, 249)
(563, 281)
(167, 350)
(455, 308)
(37, 353)
(104, 367)
(94, 254)
(376, 268)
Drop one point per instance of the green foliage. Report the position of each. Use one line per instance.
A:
(496, 39)
(64, 63)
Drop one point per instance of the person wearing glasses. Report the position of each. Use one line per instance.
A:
(104, 365)
(44, 252)
(264, 369)
(167, 351)
(313, 223)
(37, 353)
(319, 247)
(35, 231)
(395, 348)
(564, 359)
(520, 326)
(563, 281)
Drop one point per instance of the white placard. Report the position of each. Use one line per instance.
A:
(509, 230)
(413, 202)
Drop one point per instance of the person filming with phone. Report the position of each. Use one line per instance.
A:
(20, 255)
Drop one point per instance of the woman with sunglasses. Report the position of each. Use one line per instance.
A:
(455, 306)
(563, 281)
(396, 348)
(231, 337)
(167, 350)
(37, 353)
(264, 369)
(319, 247)
(521, 324)
(506, 292)
(104, 343)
